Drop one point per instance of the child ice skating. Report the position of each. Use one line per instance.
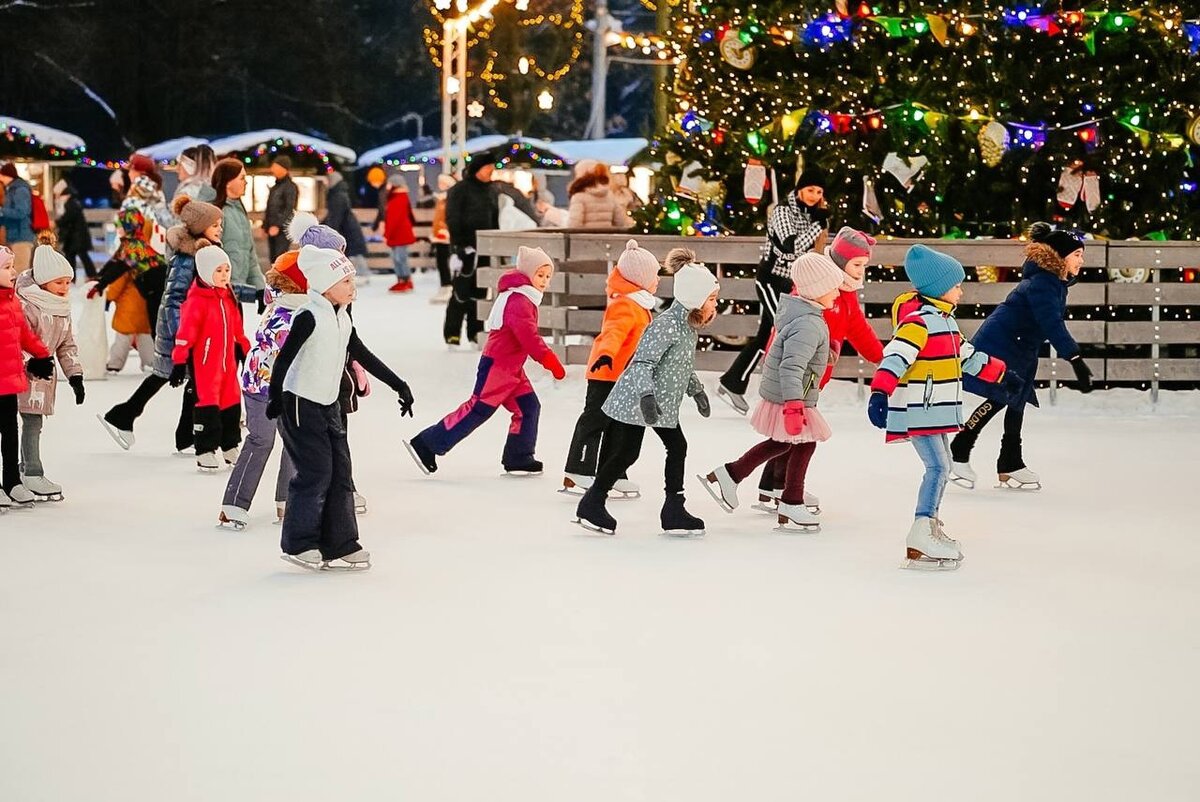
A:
(16, 339)
(44, 295)
(787, 410)
(288, 291)
(1031, 315)
(649, 394)
(630, 288)
(850, 251)
(500, 381)
(319, 528)
(210, 340)
(921, 373)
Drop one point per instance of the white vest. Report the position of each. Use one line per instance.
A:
(316, 372)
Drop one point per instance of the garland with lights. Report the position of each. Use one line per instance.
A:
(20, 143)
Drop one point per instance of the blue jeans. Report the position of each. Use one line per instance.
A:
(400, 262)
(934, 451)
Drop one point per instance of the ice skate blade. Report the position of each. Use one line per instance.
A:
(927, 564)
(762, 506)
(231, 526)
(591, 527)
(711, 488)
(619, 494)
(360, 510)
(413, 453)
(726, 396)
(522, 474)
(962, 482)
(798, 529)
(342, 567)
(294, 560)
(1013, 484)
(49, 497)
(113, 432)
(684, 533)
(573, 490)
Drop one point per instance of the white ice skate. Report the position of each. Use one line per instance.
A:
(21, 497)
(812, 502)
(280, 507)
(442, 296)
(233, 517)
(208, 463)
(576, 484)
(5, 502)
(310, 559)
(231, 456)
(358, 561)
(1023, 479)
(928, 549)
(946, 536)
(721, 487)
(623, 488)
(123, 437)
(735, 400)
(796, 519)
(43, 489)
(360, 505)
(768, 502)
(963, 475)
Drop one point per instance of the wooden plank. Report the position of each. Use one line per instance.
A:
(505, 243)
(1122, 332)
(1144, 369)
(489, 277)
(549, 318)
(1168, 294)
(1084, 331)
(1153, 255)
(884, 292)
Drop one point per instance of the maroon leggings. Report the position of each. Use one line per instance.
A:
(792, 459)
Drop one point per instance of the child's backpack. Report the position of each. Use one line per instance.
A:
(41, 218)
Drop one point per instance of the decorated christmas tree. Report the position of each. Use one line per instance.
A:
(972, 118)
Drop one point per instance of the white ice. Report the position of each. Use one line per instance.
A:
(497, 652)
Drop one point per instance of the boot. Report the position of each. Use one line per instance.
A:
(421, 455)
(21, 497)
(208, 463)
(721, 487)
(591, 514)
(677, 521)
(119, 427)
(358, 561)
(231, 456)
(928, 549)
(43, 489)
(310, 560)
(531, 468)
(795, 518)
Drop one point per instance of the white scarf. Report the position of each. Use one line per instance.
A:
(642, 298)
(47, 302)
(496, 318)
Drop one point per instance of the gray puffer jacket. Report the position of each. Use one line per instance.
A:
(799, 354)
(662, 364)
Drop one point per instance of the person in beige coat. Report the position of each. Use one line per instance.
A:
(44, 299)
(593, 204)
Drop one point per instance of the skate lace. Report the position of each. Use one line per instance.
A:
(940, 534)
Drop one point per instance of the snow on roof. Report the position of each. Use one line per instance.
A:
(169, 150)
(376, 155)
(479, 144)
(609, 151)
(252, 139)
(44, 134)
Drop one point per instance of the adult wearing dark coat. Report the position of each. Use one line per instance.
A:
(1031, 315)
(73, 235)
(472, 205)
(281, 205)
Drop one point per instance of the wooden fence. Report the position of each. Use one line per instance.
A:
(1123, 328)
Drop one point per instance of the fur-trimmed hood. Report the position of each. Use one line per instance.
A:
(589, 182)
(1047, 259)
(183, 241)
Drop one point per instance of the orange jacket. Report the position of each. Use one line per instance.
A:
(132, 316)
(624, 322)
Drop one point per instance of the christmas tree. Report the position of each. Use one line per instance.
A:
(935, 119)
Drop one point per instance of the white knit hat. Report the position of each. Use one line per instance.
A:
(208, 259)
(693, 284)
(815, 274)
(530, 259)
(637, 265)
(49, 264)
(324, 267)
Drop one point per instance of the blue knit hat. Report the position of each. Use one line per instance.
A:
(932, 273)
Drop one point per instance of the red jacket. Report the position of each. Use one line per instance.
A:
(398, 224)
(517, 340)
(846, 322)
(210, 328)
(16, 339)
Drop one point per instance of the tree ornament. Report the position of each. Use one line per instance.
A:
(993, 142)
(737, 53)
(754, 181)
(870, 203)
(690, 180)
(1193, 130)
(906, 169)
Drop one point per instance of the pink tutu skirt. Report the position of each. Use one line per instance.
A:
(767, 420)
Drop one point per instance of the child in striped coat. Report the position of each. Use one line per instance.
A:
(916, 394)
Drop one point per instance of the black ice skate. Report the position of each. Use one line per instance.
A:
(677, 521)
(531, 468)
(421, 455)
(591, 515)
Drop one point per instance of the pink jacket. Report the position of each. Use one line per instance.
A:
(49, 316)
(518, 339)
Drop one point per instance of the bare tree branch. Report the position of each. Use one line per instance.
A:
(87, 90)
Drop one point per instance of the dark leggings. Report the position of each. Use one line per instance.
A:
(124, 414)
(1010, 458)
(590, 445)
(627, 447)
(9, 443)
(790, 458)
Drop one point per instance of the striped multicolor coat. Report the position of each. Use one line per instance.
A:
(923, 366)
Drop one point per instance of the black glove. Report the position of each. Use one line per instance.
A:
(260, 298)
(405, 400)
(274, 407)
(601, 362)
(239, 355)
(818, 214)
(1013, 386)
(41, 367)
(178, 376)
(651, 411)
(877, 409)
(702, 404)
(1083, 374)
(76, 383)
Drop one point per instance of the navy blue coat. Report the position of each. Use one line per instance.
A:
(179, 279)
(1031, 314)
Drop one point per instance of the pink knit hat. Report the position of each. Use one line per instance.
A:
(7, 257)
(815, 275)
(530, 259)
(637, 265)
(850, 244)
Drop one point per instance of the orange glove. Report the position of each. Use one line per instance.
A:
(551, 363)
(793, 417)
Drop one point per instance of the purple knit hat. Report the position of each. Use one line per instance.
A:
(305, 229)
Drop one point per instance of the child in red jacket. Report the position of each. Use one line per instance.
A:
(211, 340)
(501, 381)
(16, 339)
(398, 231)
(850, 251)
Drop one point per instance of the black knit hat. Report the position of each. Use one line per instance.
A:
(811, 177)
(1063, 242)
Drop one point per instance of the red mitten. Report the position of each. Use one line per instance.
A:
(793, 417)
(555, 367)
